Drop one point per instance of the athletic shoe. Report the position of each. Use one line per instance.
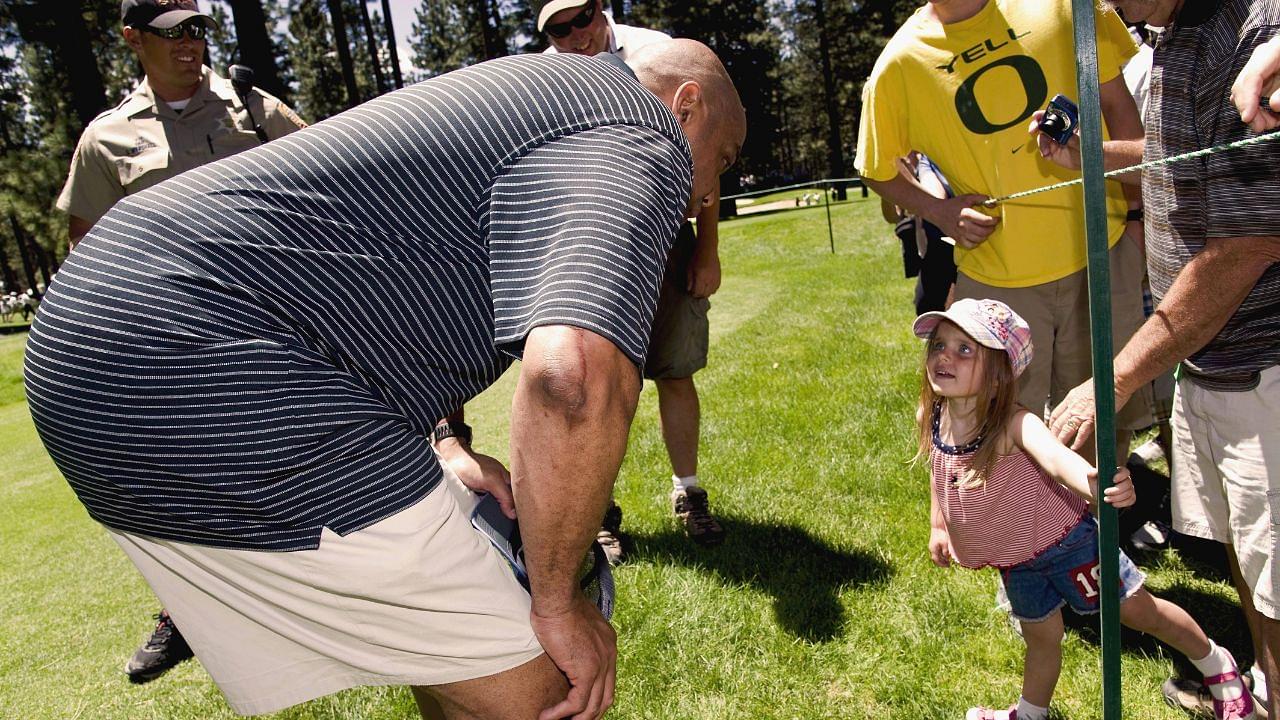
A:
(1194, 697)
(982, 713)
(163, 650)
(1257, 683)
(1190, 695)
(610, 537)
(694, 511)
(1148, 452)
(1153, 535)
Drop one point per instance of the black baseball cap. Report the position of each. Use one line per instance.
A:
(161, 14)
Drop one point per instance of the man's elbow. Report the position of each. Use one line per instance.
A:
(579, 375)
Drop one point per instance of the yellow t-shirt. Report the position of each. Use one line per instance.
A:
(963, 94)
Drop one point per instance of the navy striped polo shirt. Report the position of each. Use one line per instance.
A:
(259, 348)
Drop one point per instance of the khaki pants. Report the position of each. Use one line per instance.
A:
(420, 598)
(1226, 476)
(1058, 313)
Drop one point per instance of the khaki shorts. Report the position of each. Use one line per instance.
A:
(419, 598)
(1226, 476)
(679, 341)
(1058, 313)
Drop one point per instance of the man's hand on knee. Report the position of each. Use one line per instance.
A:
(584, 646)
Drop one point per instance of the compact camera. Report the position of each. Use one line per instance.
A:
(1060, 119)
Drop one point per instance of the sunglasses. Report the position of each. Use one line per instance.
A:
(194, 30)
(579, 21)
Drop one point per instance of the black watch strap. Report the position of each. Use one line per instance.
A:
(458, 429)
(1134, 215)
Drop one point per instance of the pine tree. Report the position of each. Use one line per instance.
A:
(222, 42)
(320, 90)
(740, 33)
(449, 34)
(254, 46)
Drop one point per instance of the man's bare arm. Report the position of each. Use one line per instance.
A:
(1124, 124)
(572, 409)
(956, 216)
(1201, 300)
(704, 269)
(77, 228)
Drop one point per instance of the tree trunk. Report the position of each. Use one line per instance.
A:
(6, 270)
(68, 36)
(835, 155)
(344, 52)
(391, 44)
(372, 44)
(255, 47)
(21, 239)
(487, 16)
(619, 10)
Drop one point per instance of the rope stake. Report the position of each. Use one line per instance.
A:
(1255, 140)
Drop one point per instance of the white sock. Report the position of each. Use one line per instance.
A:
(1219, 661)
(681, 483)
(1027, 711)
(1259, 681)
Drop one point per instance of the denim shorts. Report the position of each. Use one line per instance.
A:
(1065, 574)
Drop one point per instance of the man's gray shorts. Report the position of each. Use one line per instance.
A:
(678, 343)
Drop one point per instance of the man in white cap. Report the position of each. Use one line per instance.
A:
(678, 343)
(182, 115)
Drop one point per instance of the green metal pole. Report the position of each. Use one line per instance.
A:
(1095, 214)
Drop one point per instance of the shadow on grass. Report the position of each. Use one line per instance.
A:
(1221, 619)
(802, 573)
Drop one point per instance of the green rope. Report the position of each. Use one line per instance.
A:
(1142, 166)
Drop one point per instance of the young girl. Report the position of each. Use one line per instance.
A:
(1006, 494)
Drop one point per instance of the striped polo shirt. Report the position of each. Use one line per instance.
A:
(1017, 514)
(258, 349)
(1222, 195)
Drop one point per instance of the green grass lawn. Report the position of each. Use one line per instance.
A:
(854, 193)
(821, 603)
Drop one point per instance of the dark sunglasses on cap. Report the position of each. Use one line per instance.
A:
(194, 29)
(579, 21)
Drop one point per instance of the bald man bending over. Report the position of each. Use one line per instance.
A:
(264, 459)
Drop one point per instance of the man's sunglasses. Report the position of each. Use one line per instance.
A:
(581, 20)
(194, 30)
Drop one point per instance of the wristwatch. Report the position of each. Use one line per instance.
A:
(1134, 215)
(446, 429)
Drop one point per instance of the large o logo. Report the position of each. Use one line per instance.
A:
(1033, 84)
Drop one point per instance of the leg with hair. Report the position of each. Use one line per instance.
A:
(520, 693)
(680, 413)
(1044, 658)
(1264, 632)
(1271, 651)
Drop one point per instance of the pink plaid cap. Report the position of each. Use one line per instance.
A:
(990, 322)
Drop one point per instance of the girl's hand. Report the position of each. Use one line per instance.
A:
(940, 547)
(1121, 493)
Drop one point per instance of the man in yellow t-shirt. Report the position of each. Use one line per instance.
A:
(959, 82)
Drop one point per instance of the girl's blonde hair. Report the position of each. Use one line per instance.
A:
(996, 405)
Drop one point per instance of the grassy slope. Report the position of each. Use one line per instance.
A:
(821, 604)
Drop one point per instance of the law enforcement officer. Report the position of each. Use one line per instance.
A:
(182, 115)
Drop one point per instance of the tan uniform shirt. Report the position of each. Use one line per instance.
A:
(143, 141)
